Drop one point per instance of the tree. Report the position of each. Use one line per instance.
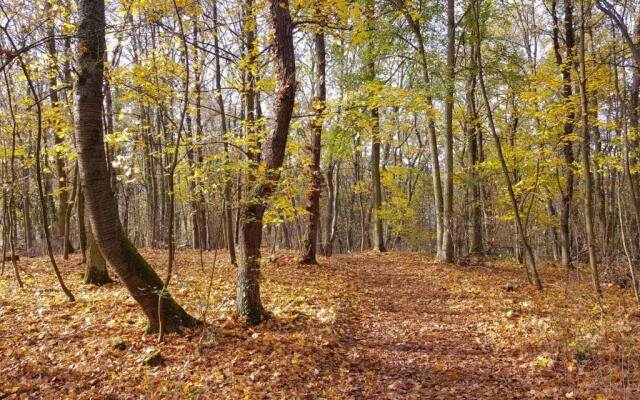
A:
(228, 216)
(63, 191)
(390, 133)
(421, 50)
(447, 230)
(586, 154)
(474, 137)
(378, 234)
(248, 302)
(532, 272)
(318, 106)
(565, 140)
(142, 282)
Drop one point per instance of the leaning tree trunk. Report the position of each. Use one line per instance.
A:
(532, 271)
(248, 303)
(141, 280)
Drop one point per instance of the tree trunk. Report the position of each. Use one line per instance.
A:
(331, 220)
(5, 225)
(82, 224)
(600, 205)
(357, 179)
(475, 233)
(141, 280)
(431, 127)
(567, 146)
(41, 192)
(310, 245)
(67, 217)
(63, 196)
(200, 209)
(248, 303)
(447, 231)
(95, 272)
(378, 233)
(532, 272)
(634, 128)
(26, 212)
(586, 163)
(555, 247)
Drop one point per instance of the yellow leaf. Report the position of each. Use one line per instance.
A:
(544, 362)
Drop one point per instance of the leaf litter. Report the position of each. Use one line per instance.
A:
(364, 326)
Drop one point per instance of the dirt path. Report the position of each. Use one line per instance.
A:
(406, 331)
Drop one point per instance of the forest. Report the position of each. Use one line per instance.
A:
(320, 199)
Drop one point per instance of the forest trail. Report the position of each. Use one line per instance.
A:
(420, 345)
(366, 326)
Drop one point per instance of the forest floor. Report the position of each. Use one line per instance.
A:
(366, 326)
